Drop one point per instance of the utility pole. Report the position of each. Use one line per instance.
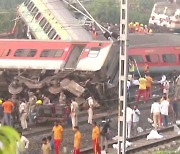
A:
(123, 60)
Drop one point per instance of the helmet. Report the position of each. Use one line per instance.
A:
(1, 101)
(39, 102)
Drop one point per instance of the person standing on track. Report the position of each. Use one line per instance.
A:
(58, 136)
(136, 114)
(22, 145)
(149, 86)
(46, 147)
(51, 142)
(177, 88)
(166, 88)
(77, 140)
(155, 112)
(90, 110)
(164, 107)
(174, 106)
(8, 109)
(15, 113)
(95, 138)
(23, 114)
(142, 89)
(104, 131)
(31, 106)
(129, 120)
(74, 112)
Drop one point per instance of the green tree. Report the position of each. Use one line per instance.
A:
(104, 10)
(108, 10)
(8, 139)
(7, 14)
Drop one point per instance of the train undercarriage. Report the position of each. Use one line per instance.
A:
(73, 83)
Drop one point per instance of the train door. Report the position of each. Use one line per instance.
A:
(74, 56)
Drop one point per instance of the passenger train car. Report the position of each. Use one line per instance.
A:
(50, 20)
(36, 64)
(166, 14)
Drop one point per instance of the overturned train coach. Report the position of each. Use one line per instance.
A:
(81, 67)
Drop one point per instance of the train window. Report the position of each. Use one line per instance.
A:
(137, 58)
(93, 53)
(52, 33)
(159, 9)
(152, 58)
(52, 53)
(42, 22)
(26, 2)
(25, 53)
(38, 16)
(47, 28)
(58, 53)
(30, 6)
(57, 37)
(169, 58)
(34, 11)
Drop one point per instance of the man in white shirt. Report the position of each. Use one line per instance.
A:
(166, 88)
(155, 111)
(90, 110)
(136, 114)
(23, 114)
(129, 116)
(164, 107)
(22, 145)
(74, 112)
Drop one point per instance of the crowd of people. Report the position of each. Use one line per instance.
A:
(21, 110)
(160, 108)
(133, 27)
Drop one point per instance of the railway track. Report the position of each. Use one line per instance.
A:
(140, 143)
(99, 114)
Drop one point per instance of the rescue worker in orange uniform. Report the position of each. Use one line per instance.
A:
(146, 68)
(137, 26)
(94, 33)
(149, 86)
(58, 136)
(77, 140)
(141, 28)
(95, 138)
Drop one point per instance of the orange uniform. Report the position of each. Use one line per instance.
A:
(95, 133)
(8, 106)
(95, 138)
(77, 142)
(146, 68)
(149, 82)
(58, 130)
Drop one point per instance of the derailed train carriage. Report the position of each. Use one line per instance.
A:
(81, 68)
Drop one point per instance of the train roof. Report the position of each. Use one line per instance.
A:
(66, 19)
(154, 40)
